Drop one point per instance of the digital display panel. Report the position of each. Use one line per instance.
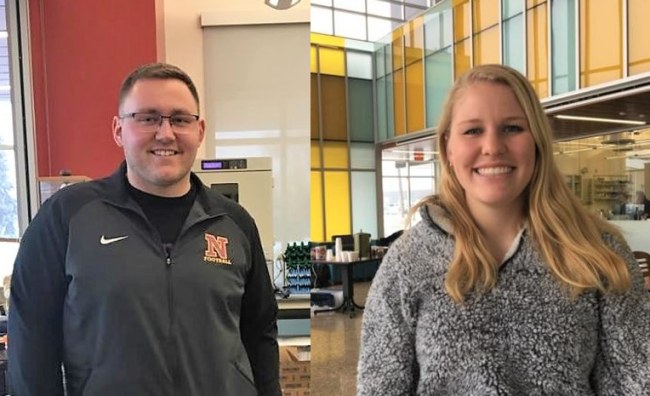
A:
(211, 164)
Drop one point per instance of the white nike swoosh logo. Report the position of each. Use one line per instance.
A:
(105, 241)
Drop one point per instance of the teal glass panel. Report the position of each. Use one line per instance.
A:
(362, 155)
(360, 110)
(563, 46)
(510, 8)
(389, 106)
(382, 115)
(359, 64)
(380, 62)
(514, 50)
(364, 203)
(439, 78)
(438, 29)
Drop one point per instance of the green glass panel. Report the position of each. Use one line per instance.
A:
(389, 106)
(563, 46)
(438, 29)
(359, 65)
(514, 54)
(380, 61)
(364, 203)
(361, 115)
(511, 8)
(381, 109)
(362, 155)
(438, 69)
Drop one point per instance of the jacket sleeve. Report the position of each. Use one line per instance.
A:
(387, 362)
(623, 359)
(35, 316)
(259, 330)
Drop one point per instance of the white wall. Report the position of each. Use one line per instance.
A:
(184, 35)
(278, 109)
(257, 105)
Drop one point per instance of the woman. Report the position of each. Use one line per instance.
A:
(507, 286)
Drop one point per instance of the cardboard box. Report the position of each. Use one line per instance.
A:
(296, 392)
(295, 370)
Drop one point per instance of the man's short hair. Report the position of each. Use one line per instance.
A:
(155, 71)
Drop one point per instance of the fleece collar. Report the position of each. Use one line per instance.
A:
(436, 216)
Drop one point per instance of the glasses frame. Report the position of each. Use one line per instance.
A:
(162, 117)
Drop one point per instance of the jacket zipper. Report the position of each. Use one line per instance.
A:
(173, 364)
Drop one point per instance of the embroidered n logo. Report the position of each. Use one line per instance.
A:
(216, 249)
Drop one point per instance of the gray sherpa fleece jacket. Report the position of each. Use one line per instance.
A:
(525, 337)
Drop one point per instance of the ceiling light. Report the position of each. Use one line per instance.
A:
(3, 34)
(594, 119)
(281, 4)
(5, 88)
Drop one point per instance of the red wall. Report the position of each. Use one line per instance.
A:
(81, 52)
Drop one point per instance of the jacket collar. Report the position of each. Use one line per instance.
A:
(434, 215)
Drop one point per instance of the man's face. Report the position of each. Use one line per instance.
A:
(158, 159)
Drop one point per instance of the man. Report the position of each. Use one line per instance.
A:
(145, 282)
(642, 200)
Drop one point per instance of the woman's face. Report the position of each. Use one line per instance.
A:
(490, 147)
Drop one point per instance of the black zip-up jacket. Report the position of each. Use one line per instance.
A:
(125, 316)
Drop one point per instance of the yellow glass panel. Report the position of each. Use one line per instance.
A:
(398, 101)
(601, 41)
(537, 53)
(639, 31)
(314, 60)
(324, 39)
(332, 61)
(486, 14)
(315, 130)
(337, 204)
(413, 41)
(316, 209)
(414, 97)
(333, 106)
(533, 3)
(461, 20)
(486, 47)
(335, 155)
(315, 154)
(398, 50)
(462, 58)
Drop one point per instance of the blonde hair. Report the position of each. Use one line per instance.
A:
(568, 237)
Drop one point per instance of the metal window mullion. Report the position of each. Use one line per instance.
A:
(453, 44)
(625, 34)
(549, 56)
(356, 13)
(471, 33)
(321, 140)
(379, 188)
(405, 123)
(501, 32)
(578, 62)
(424, 73)
(524, 15)
(349, 133)
(22, 108)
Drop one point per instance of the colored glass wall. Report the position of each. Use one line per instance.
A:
(560, 45)
(343, 139)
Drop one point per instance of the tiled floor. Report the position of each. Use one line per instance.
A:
(335, 349)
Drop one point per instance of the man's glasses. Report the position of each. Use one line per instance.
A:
(151, 122)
